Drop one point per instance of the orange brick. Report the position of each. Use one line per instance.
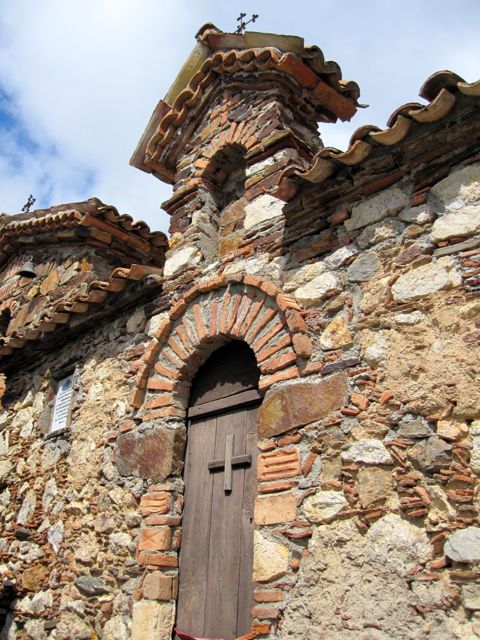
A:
(224, 312)
(136, 397)
(239, 131)
(307, 467)
(155, 503)
(285, 302)
(155, 539)
(233, 313)
(169, 355)
(165, 371)
(189, 331)
(274, 364)
(287, 374)
(295, 67)
(251, 315)
(278, 464)
(385, 397)
(419, 198)
(143, 374)
(157, 559)
(293, 438)
(157, 519)
(151, 352)
(213, 318)
(165, 412)
(350, 411)
(269, 595)
(231, 132)
(162, 400)
(275, 509)
(141, 380)
(182, 334)
(177, 348)
(253, 281)
(251, 142)
(263, 613)
(242, 313)
(163, 330)
(191, 293)
(269, 288)
(295, 321)
(263, 319)
(175, 312)
(261, 628)
(128, 425)
(275, 487)
(157, 384)
(214, 283)
(271, 333)
(283, 342)
(199, 322)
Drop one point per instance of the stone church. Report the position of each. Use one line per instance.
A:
(267, 425)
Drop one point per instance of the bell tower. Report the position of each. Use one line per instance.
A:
(243, 109)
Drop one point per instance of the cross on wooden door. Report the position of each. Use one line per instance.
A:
(229, 462)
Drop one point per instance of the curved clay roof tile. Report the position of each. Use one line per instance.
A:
(441, 89)
(470, 88)
(403, 110)
(437, 81)
(363, 132)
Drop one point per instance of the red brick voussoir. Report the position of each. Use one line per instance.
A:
(250, 308)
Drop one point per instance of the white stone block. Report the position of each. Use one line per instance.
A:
(386, 203)
(461, 224)
(427, 279)
(152, 620)
(261, 210)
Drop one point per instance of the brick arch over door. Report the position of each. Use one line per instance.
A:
(210, 314)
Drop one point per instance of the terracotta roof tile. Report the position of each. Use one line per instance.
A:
(60, 312)
(442, 89)
(225, 53)
(43, 223)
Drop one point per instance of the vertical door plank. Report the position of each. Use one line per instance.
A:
(224, 561)
(196, 527)
(247, 525)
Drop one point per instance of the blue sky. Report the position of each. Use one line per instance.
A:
(80, 78)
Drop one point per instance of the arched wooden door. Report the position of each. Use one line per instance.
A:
(216, 557)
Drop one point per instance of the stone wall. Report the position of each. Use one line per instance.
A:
(69, 521)
(368, 467)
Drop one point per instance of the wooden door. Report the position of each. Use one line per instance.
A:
(216, 557)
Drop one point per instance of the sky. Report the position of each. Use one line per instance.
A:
(79, 79)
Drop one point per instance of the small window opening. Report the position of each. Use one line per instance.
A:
(5, 318)
(230, 174)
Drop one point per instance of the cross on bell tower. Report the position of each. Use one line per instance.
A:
(242, 24)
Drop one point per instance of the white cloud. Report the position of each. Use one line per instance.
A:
(85, 75)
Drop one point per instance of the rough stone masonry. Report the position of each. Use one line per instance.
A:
(354, 278)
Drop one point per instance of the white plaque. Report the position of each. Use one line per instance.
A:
(62, 403)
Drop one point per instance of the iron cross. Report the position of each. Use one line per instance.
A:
(242, 24)
(229, 462)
